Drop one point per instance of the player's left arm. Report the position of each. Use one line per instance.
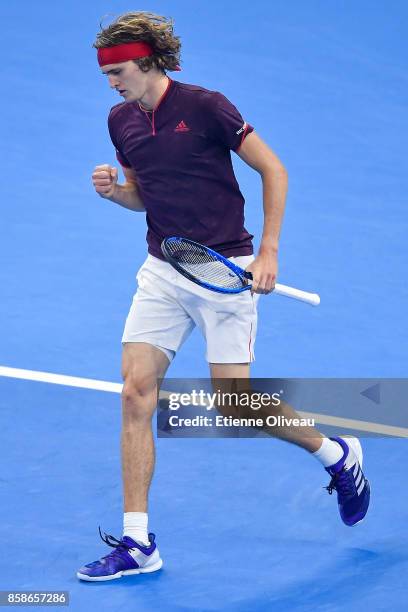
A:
(256, 153)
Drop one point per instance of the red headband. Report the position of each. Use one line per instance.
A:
(124, 53)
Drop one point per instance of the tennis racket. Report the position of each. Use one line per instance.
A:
(213, 271)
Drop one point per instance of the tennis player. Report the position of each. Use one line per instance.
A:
(174, 142)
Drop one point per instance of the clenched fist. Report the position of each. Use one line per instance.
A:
(104, 179)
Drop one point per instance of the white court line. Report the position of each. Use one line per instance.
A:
(61, 379)
(111, 387)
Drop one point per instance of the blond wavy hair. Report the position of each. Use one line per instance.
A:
(144, 27)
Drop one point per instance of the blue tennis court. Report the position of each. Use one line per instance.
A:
(242, 524)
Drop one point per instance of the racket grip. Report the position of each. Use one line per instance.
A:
(297, 294)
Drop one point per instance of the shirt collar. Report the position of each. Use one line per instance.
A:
(162, 100)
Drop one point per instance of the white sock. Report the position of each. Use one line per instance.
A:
(329, 453)
(135, 527)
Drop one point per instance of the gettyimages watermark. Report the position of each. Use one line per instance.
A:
(221, 398)
(271, 407)
(243, 402)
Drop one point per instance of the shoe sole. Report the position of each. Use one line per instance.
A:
(141, 570)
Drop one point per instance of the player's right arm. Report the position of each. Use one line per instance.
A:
(105, 182)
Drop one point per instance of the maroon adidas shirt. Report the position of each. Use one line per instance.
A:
(180, 153)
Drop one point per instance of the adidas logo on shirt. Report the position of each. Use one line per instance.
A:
(181, 127)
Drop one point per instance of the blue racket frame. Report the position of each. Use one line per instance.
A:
(240, 273)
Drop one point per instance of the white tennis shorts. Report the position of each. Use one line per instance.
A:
(167, 306)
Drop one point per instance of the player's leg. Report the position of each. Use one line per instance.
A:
(230, 331)
(136, 552)
(155, 329)
(232, 375)
(341, 457)
(143, 364)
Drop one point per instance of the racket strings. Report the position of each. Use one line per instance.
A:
(204, 266)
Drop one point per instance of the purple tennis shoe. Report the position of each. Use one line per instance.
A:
(127, 558)
(353, 488)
